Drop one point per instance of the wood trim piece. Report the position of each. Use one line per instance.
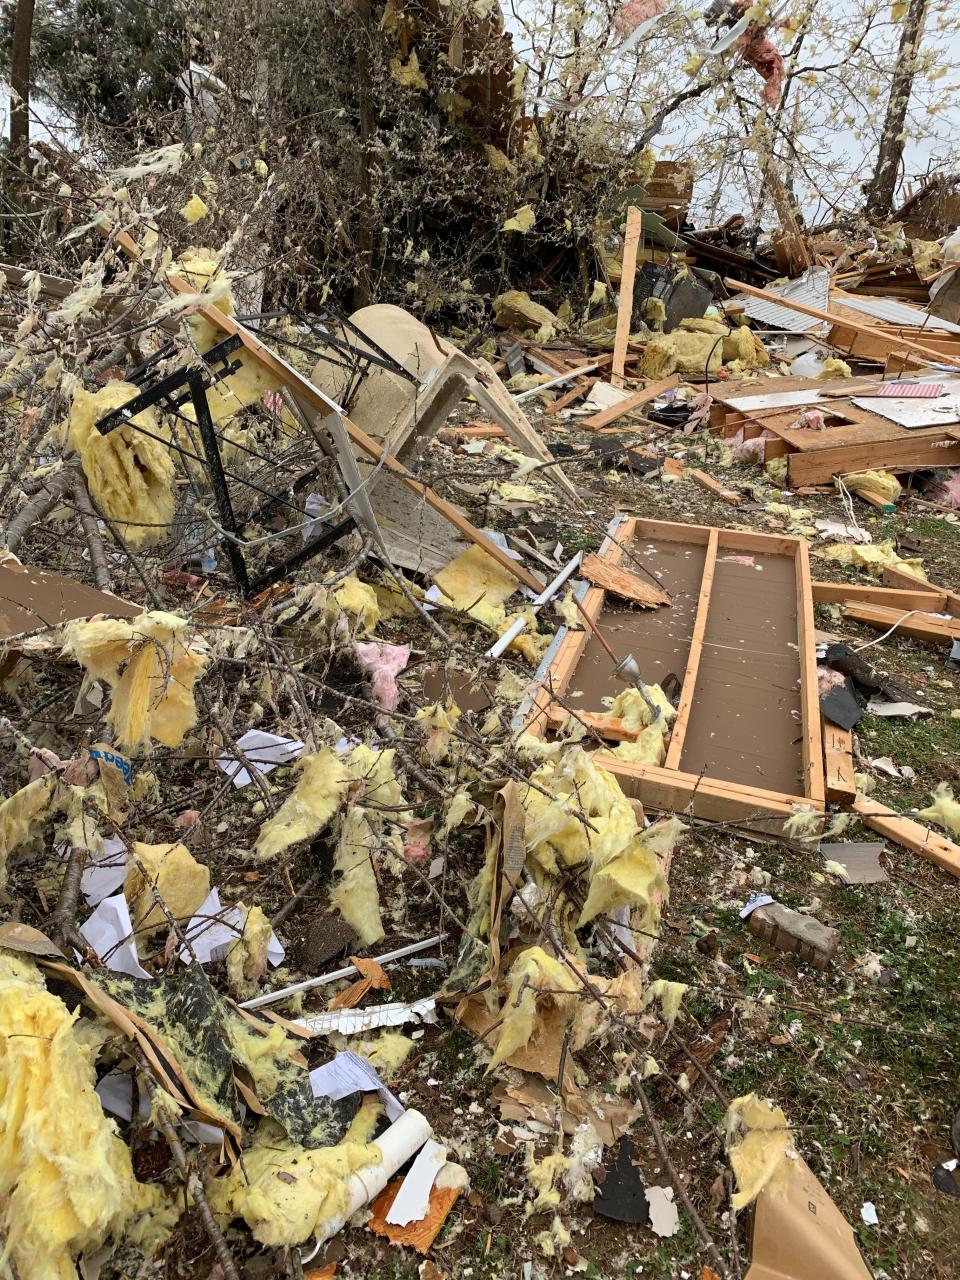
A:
(647, 780)
(933, 601)
(569, 397)
(639, 398)
(838, 764)
(631, 243)
(692, 671)
(911, 835)
(918, 626)
(809, 693)
(611, 727)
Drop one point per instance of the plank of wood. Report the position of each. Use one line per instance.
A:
(611, 727)
(838, 764)
(873, 500)
(631, 243)
(706, 481)
(812, 742)
(623, 583)
(673, 467)
(918, 626)
(932, 601)
(639, 398)
(479, 431)
(570, 397)
(901, 578)
(908, 833)
(910, 451)
(659, 787)
(689, 687)
(831, 318)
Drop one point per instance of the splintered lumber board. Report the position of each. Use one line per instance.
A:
(705, 481)
(621, 582)
(900, 578)
(631, 243)
(746, 745)
(909, 834)
(918, 626)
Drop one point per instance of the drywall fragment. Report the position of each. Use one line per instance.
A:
(664, 1216)
(109, 931)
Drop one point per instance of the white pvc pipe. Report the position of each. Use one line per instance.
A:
(348, 971)
(547, 593)
(401, 1141)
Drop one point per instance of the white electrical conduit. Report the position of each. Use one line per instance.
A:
(546, 594)
(348, 971)
(558, 381)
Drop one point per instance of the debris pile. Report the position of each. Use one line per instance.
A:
(425, 755)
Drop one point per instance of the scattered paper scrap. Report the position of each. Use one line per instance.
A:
(264, 751)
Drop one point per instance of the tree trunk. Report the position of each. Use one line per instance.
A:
(20, 81)
(882, 185)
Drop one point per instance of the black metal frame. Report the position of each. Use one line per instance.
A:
(217, 366)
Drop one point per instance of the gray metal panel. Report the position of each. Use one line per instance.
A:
(893, 311)
(812, 289)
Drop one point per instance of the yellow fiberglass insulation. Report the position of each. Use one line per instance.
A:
(534, 972)
(743, 345)
(438, 723)
(633, 877)
(21, 815)
(201, 269)
(688, 352)
(175, 874)
(66, 1181)
(226, 398)
(151, 663)
(648, 747)
(130, 475)
(554, 832)
(247, 957)
(319, 792)
(630, 706)
(945, 810)
(759, 1145)
(882, 484)
(874, 557)
(473, 579)
(286, 1194)
(516, 310)
(355, 893)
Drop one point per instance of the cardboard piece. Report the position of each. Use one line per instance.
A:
(800, 1234)
(32, 598)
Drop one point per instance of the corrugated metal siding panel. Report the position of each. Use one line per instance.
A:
(893, 311)
(812, 289)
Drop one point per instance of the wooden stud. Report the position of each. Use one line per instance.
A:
(918, 626)
(812, 744)
(873, 500)
(911, 835)
(689, 687)
(931, 601)
(611, 727)
(570, 397)
(901, 578)
(838, 761)
(631, 243)
(639, 398)
(730, 496)
(913, 451)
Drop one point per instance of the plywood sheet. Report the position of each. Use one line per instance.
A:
(745, 720)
